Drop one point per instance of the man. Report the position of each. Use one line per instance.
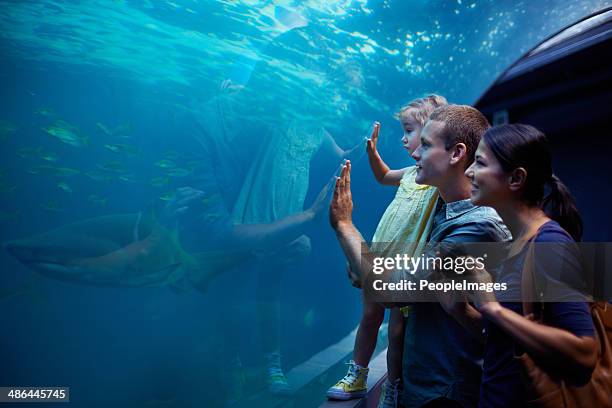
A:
(441, 366)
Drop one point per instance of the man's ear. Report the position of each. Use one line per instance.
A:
(517, 179)
(459, 151)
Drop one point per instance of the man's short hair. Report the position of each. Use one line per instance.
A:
(462, 124)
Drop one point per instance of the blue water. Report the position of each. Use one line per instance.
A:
(125, 82)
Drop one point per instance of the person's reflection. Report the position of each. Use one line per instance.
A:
(261, 141)
(266, 195)
(271, 228)
(274, 188)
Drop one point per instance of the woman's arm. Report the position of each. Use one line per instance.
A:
(383, 174)
(574, 355)
(566, 350)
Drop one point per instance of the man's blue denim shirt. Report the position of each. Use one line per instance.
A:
(441, 359)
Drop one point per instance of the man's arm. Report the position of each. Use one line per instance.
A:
(341, 219)
(352, 244)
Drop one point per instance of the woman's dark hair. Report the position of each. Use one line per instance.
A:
(525, 146)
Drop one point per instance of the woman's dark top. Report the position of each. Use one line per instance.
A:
(502, 385)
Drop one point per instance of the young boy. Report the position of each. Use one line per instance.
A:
(403, 228)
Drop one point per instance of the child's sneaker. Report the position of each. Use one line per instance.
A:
(277, 382)
(353, 385)
(388, 394)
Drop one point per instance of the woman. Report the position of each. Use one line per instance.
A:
(511, 173)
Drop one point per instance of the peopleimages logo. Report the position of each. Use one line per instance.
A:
(428, 263)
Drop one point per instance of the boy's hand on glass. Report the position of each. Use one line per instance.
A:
(373, 140)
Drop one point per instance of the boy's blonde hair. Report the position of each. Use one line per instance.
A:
(423, 107)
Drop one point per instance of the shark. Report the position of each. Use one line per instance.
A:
(121, 250)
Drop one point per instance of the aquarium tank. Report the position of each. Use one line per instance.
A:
(165, 175)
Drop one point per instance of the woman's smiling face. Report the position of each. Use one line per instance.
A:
(489, 180)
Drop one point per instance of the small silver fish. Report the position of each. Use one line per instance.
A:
(46, 112)
(167, 196)
(178, 172)
(113, 166)
(54, 171)
(122, 148)
(65, 187)
(98, 176)
(165, 164)
(67, 134)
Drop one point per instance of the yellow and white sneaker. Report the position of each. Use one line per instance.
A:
(388, 394)
(353, 385)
